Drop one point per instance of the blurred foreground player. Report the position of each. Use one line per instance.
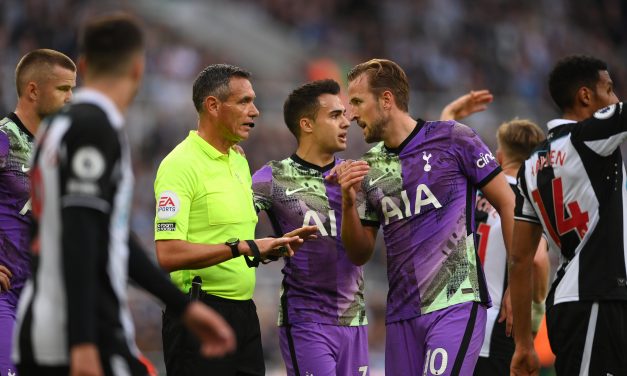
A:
(73, 316)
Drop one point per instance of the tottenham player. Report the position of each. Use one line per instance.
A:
(573, 189)
(44, 80)
(419, 184)
(322, 313)
(73, 316)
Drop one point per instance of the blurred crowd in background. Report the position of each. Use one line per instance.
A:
(447, 47)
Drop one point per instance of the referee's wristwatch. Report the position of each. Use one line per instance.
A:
(233, 243)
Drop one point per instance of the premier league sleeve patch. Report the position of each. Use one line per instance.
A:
(606, 112)
(167, 206)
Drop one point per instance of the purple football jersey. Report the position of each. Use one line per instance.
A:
(423, 195)
(15, 217)
(319, 283)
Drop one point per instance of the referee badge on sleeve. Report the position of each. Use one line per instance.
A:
(166, 226)
(167, 205)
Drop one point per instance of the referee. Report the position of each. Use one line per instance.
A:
(205, 221)
(573, 188)
(73, 315)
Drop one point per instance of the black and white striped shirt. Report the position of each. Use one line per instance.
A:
(493, 257)
(574, 186)
(82, 190)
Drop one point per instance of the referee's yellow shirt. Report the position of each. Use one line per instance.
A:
(204, 196)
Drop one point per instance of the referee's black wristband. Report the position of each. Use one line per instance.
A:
(256, 254)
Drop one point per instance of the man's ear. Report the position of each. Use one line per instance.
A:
(306, 125)
(211, 105)
(31, 91)
(138, 66)
(499, 156)
(387, 99)
(584, 96)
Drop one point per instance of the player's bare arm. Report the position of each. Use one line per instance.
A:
(466, 105)
(358, 239)
(85, 360)
(541, 272)
(525, 241)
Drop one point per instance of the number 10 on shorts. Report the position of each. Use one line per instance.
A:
(436, 362)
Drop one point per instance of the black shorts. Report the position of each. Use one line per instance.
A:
(589, 338)
(30, 369)
(181, 349)
(501, 352)
(492, 366)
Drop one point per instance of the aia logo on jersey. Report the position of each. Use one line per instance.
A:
(167, 205)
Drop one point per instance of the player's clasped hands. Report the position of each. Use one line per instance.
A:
(349, 174)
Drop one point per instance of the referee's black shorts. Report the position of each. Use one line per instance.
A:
(181, 349)
(589, 338)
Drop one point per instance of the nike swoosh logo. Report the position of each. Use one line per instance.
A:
(25, 169)
(374, 181)
(289, 192)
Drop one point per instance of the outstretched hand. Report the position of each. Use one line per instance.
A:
(305, 232)
(284, 246)
(215, 335)
(466, 105)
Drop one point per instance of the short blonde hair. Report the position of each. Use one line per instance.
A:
(384, 75)
(39, 62)
(517, 138)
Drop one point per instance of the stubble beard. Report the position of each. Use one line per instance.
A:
(374, 133)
